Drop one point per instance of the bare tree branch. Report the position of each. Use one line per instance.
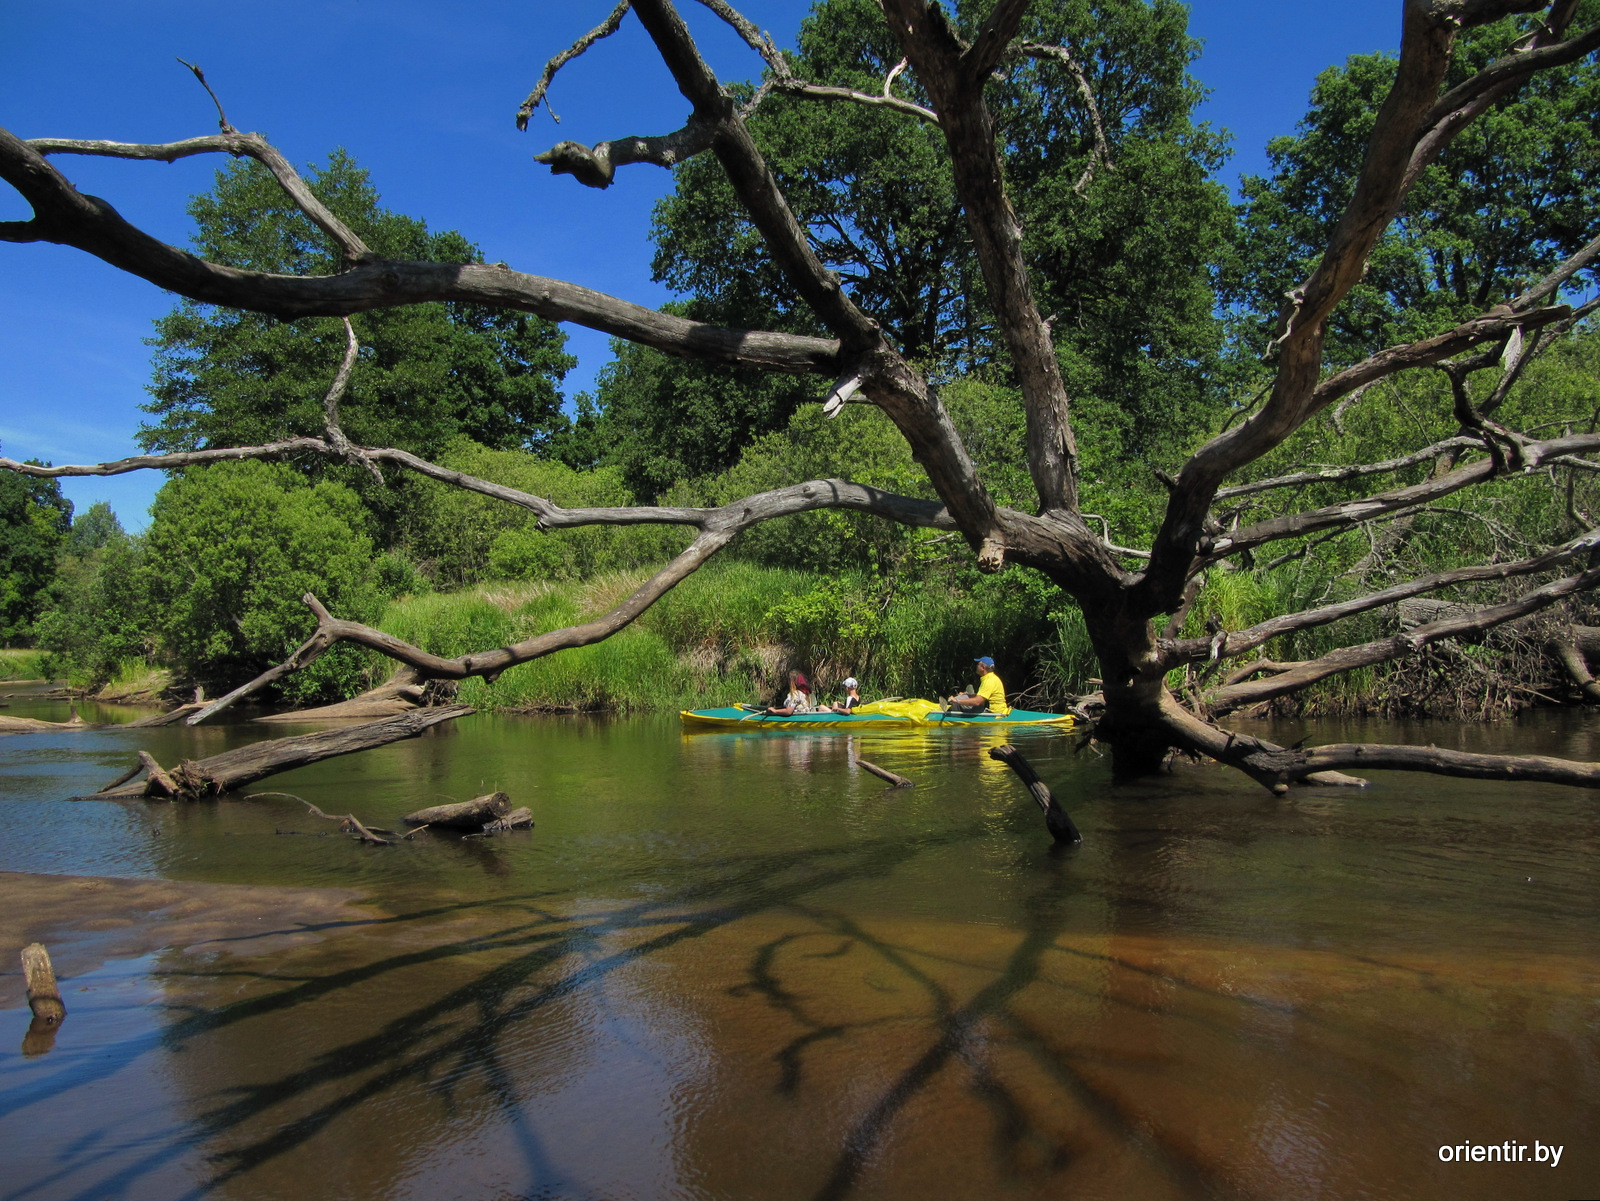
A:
(331, 431)
(1540, 769)
(1102, 145)
(817, 91)
(603, 30)
(596, 166)
(946, 70)
(65, 216)
(1428, 33)
(1549, 285)
(1235, 696)
(891, 383)
(1492, 326)
(230, 141)
(1277, 767)
(1350, 512)
(750, 510)
(1335, 474)
(1461, 104)
(1242, 642)
(222, 117)
(993, 39)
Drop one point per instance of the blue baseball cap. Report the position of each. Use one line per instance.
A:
(985, 660)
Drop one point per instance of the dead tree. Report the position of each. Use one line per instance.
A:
(1124, 593)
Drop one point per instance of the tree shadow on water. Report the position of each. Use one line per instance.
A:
(548, 958)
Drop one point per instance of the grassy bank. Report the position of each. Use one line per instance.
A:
(21, 665)
(729, 633)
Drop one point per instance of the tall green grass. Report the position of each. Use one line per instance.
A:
(728, 633)
(22, 664)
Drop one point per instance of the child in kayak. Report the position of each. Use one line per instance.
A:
(852, 696)
(798, 700)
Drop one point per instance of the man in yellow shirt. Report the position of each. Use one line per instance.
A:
(991, 696)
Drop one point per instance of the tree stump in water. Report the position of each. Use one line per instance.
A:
(44, 997)
(464, 815)
(1056, 819)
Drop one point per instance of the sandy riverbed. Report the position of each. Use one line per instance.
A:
(86, 920)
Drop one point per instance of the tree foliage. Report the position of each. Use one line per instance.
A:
(1123, 263)
(1510, 198)
(230, 551)
(34, 521)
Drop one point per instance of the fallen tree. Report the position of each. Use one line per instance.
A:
(231, 770)
(1133, 599)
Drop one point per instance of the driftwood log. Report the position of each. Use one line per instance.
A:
(44, 996)
(400, 693)
(34, 725)
(234, 769)
(1056, 819)
(517, 819)
(883, 774)
(464, 815)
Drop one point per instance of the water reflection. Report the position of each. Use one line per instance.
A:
(734, 966)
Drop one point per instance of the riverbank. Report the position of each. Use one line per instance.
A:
(20, 663)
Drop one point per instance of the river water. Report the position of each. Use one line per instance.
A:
(729, 966)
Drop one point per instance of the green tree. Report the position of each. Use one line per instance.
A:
(462, 537)
(661, 419)
(1511, 197)
(34, 521)
(231, 549)
(1121, 255)
(427, 373)
(93, 528)
(99, 614)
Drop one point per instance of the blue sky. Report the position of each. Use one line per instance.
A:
(424, 96)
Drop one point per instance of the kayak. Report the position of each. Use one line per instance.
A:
(900, 716)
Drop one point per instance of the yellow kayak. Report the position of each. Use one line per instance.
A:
(877, 715)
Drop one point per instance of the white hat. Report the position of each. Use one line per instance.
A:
(851, 683)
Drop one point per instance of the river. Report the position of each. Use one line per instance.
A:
(730, 966)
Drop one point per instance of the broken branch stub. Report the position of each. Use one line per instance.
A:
(884, 774)
(1056, 819)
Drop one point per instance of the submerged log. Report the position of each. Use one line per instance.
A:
(1466, 764)
(463, 815)
(894, 780)
(1335, 779)
(517, 819)
(234, 769)
(44, 997)
(1056, 819)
